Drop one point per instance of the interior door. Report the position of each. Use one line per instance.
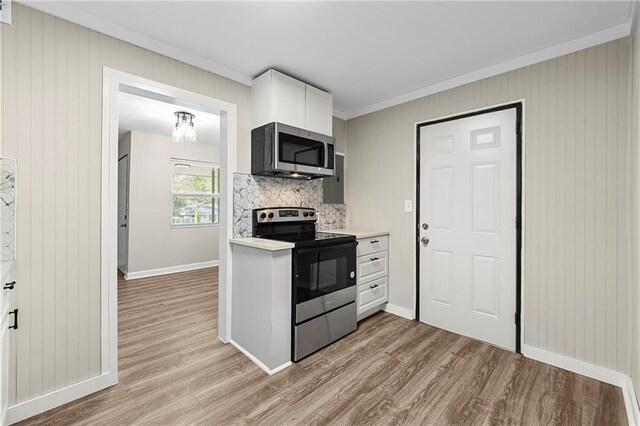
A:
(123, 209)
(468, 212)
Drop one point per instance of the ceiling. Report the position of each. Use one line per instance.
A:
(137, 113)
(369, 55)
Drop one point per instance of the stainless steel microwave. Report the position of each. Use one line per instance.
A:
(286, 151)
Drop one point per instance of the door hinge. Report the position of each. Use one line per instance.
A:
(517, 222)
(517, 318)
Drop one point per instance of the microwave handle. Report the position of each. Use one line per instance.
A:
(323, 249)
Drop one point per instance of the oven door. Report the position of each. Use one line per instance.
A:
(324, 278)
(303, 152)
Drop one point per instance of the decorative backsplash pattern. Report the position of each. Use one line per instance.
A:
(7, 208)
(252, 192)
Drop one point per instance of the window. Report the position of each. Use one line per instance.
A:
(195, 187)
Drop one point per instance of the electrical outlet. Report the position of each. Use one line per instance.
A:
(408, 206)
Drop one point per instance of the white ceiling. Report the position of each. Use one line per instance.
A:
(155, 117)
(369, 55)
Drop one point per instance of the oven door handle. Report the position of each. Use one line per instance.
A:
(328, 248)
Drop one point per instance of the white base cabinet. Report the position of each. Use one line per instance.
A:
(373, 274)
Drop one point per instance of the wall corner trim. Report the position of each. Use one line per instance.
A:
(170, 270)
(49, 401)
(269, 371)
(399, 311)
(602, 374)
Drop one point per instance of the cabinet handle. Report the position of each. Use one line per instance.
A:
(373, 259)
(374, 286)
(374, 241)
(9, 286)
(15, 319)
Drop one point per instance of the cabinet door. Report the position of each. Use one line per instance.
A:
(288, 96)
(319, 111)
(333, 187)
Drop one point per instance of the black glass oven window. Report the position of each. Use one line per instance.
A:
(324, 271)
(298, 150)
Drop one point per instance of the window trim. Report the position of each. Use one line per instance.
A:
(212, 195)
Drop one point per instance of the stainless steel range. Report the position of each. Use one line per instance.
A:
(323, 277)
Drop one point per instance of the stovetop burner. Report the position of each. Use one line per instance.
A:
(293, 224)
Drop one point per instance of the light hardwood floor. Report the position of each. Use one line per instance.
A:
(174, 370)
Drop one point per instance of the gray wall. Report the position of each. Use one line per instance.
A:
(153, 242)
(577, 280)
(52, 76)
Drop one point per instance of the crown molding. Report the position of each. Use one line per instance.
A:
(78, 16)
(590, 40)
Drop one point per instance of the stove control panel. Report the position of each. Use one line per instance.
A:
(284, 214)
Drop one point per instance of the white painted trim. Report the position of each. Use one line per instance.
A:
(112, 79)
(590, 40)
(38, 405)
(170, 270)
(266, 369)
(400, 311)
(339, 114)
(584, 368)
(67, 11)
(595, 372)
(631, 402)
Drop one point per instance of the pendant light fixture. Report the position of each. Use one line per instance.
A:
(185, 130)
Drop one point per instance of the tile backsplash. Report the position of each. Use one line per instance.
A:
(252, 192)
(7, 208)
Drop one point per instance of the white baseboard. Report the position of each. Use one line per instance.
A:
(268, 370)
(170, 270)
(399, 311)
(595, 372)
(43, 403)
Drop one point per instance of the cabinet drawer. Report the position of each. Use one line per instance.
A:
(373, 294)
(373, 245)
(373, 266)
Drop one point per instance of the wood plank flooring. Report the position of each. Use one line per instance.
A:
(174, 370)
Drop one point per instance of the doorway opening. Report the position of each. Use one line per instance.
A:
(469, 224)
(185, 187)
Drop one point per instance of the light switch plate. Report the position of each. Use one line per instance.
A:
(5, 11)
(408, 206)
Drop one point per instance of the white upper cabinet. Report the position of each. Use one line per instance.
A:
(278, 97)
(318, 111)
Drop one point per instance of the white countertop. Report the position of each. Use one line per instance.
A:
(262, 243)
(358, 233)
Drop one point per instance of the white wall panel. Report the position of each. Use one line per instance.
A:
(577, 279)
(51, 74)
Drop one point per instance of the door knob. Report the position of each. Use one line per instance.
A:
(425, 226)
(124, 225)
(425, 241)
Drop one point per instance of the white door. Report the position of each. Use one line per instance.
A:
(468, 195)
(123, 209)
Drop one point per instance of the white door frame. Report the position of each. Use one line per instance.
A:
(112, 80)
(522, 187)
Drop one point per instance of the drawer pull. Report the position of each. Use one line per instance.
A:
(374, 286)
(373, 259)
(374, 241)
(15, 319)
(9, 286)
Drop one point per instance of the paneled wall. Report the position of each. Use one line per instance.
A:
(51, 122)
(577, 166)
